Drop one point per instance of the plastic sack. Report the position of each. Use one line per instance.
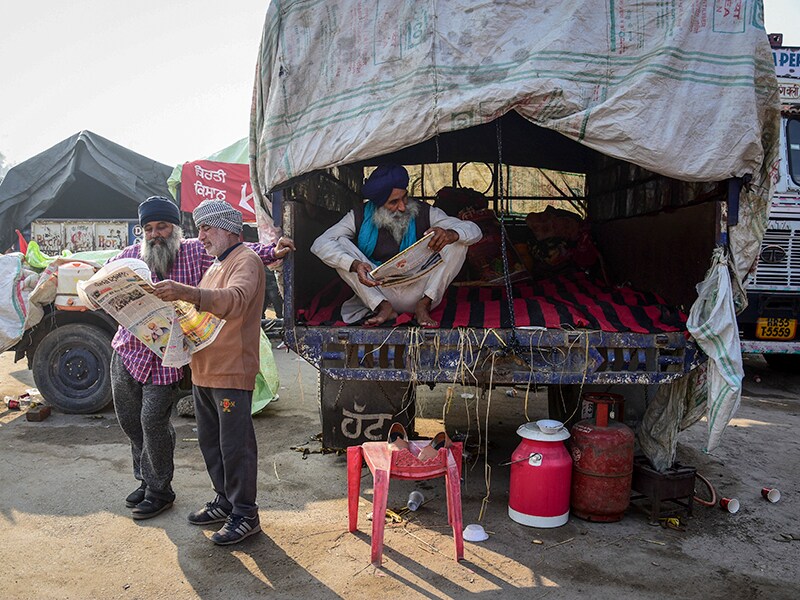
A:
(267, 381)
(712, 323)
(36, 258)
(100, 257)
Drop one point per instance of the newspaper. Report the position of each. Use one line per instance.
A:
(409, 265)
(171, 330)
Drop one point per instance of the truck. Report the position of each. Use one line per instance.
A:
(769, 323)
(69, 349)
(519, 95)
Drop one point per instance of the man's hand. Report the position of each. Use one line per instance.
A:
(169, 290)
(362, 269)
(283, 246)
(441, 238)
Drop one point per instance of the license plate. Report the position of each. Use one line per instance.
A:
(776, 329)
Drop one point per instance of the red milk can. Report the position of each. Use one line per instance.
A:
(602, 454)
(541, 469)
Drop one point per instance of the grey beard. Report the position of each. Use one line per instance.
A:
(396, 223)
(160, 257)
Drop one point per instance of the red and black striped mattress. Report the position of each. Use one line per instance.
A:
(570, 300)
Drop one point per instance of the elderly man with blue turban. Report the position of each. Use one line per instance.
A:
(386, 224)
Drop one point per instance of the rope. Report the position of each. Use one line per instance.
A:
(487, 468)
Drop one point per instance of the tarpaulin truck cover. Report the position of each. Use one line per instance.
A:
(687, 91)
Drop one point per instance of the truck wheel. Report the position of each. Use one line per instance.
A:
(788, 363)
(72, 368)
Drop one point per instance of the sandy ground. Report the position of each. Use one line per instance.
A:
(67, 534)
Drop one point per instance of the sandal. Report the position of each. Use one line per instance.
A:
(440, 440)
(397, 437)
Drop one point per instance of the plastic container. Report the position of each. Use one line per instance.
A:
(69, 274)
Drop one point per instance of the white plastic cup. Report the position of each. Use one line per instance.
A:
(730, 505)
(415, 500)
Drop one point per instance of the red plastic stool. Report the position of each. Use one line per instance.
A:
(402, 464)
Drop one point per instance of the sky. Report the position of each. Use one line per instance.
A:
(170, 79)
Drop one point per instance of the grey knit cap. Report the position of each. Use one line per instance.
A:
(218, 213)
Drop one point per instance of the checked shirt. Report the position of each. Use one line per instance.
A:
(189, 266)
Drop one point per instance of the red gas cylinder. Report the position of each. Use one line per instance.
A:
(602, 452)
(541, 469)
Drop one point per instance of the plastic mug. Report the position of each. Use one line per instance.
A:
(771, 494)
(729, 504)
(415, 500)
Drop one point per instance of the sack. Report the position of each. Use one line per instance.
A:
(16, 312)
(267, 381)
(712, 323)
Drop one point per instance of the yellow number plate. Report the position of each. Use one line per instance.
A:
(776, 329)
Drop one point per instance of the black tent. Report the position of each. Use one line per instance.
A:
(85, 176)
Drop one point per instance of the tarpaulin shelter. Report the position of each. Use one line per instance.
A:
(85, 176)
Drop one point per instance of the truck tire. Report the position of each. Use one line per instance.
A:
(787, 363)
(72, 368)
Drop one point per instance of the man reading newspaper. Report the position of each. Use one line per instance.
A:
(387, 224)
(141, 384)
(224, 373)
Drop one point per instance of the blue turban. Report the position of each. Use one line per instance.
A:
(378, 186)
(158, 208)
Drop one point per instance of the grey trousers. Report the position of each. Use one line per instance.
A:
(143, 411)
(228, 442)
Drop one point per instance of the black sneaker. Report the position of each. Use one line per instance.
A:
(150, 507)
(236, 528)
(136, 496)
(212, 512)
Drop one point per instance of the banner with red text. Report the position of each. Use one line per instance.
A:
(210, 180)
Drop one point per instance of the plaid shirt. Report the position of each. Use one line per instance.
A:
(189, 266)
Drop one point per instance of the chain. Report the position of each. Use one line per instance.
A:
(514, 343)
(339, 393)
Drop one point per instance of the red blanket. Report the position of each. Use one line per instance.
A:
(566, 300)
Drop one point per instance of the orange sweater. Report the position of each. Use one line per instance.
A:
(232, 290)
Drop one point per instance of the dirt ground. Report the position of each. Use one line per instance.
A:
(67, 533)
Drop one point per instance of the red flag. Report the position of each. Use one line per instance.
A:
(210, 180)
(23, 245)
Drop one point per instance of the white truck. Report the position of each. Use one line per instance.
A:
(769, 323)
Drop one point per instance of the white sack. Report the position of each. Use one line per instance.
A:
(16, 284)
(712, 323)
(676, 406)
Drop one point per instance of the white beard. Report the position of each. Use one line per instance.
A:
(396, 223)
(160, 257)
